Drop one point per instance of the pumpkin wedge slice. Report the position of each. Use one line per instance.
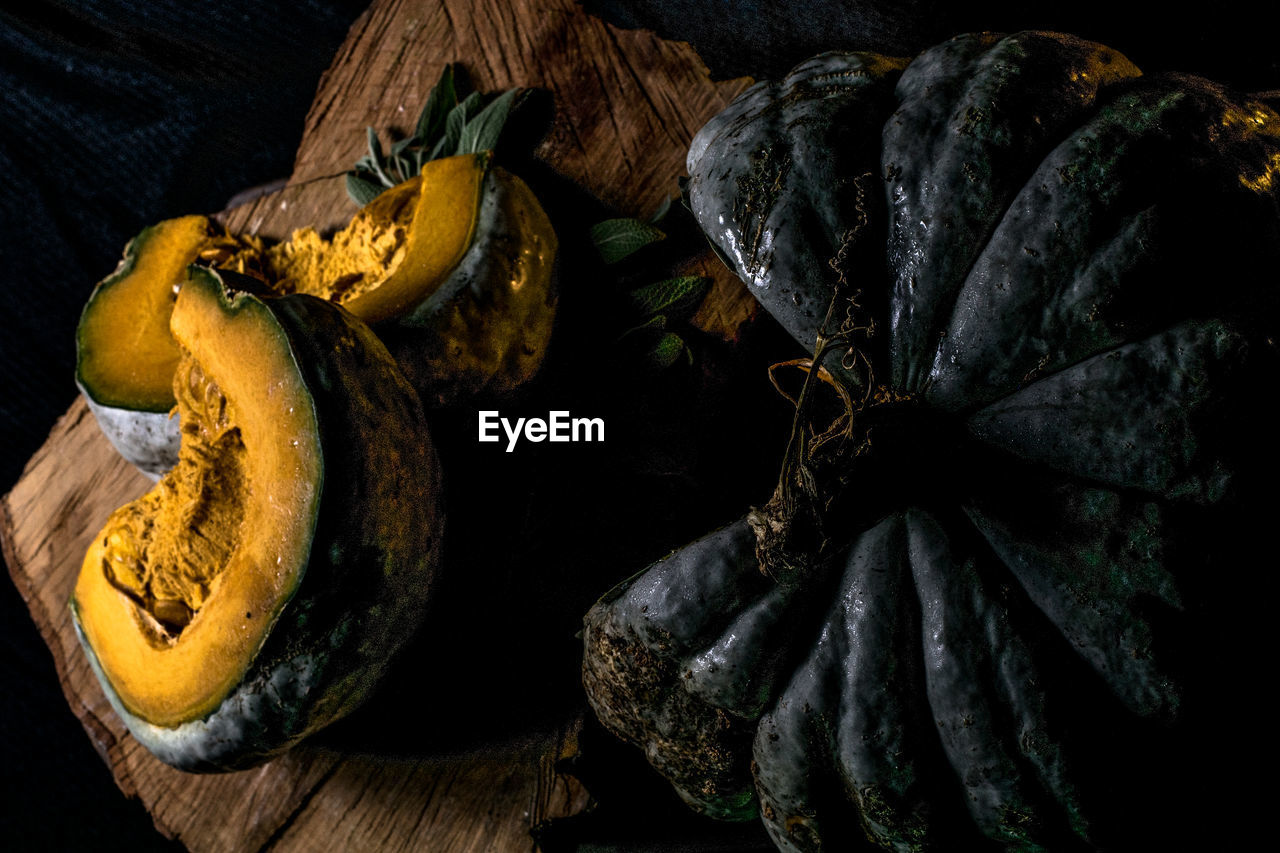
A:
(454, 268)
(125, 355)
(259, 591)
(139, 296)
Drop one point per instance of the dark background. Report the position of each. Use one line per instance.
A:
(116, 114)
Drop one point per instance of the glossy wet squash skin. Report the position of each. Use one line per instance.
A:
(979, 610)
(262, 588)
(454, 268)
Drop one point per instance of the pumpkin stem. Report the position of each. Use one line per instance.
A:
(792, 542)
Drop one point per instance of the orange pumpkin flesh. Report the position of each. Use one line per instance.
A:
(147, 593)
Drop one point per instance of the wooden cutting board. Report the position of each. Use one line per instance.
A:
(626, 105)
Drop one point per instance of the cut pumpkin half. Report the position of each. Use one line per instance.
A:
(259, 590)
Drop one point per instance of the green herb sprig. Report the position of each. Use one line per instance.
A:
(652, 309)
(449, 124)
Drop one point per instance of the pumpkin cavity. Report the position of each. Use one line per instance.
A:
(166, 550)
(356, 260)
(353, 261)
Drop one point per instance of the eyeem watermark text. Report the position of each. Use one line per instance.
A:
(558, 426)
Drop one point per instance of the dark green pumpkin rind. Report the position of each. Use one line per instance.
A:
(989, 700)
(1142, 217)
(380, 523)
(1145, 416)
(635, 640)
(1098, 563)
(887, 768)
(785, 159)
(684, 658)
(366, 582)
(839, 759)
(975, 116)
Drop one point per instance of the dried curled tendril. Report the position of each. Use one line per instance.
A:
(792, 540)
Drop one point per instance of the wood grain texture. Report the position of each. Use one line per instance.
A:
(625, 108)
(626, 104)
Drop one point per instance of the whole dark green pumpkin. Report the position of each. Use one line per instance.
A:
(977, 608)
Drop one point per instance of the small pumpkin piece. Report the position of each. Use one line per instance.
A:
(138, 297)
(259, 590)
(125, 356)
(486, 329)
(380, 264)
(454, 269)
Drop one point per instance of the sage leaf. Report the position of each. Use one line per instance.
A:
(482, 132)
(673, 296)
(662, 211)
(653, 324)
(446, 126)
(453, 125)
(616, 239)
(375, 146)
(376, 159)
(441, 148)
(470, 105)
(442, 99)
(361, 191)
(403, 172)
(666, 352)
